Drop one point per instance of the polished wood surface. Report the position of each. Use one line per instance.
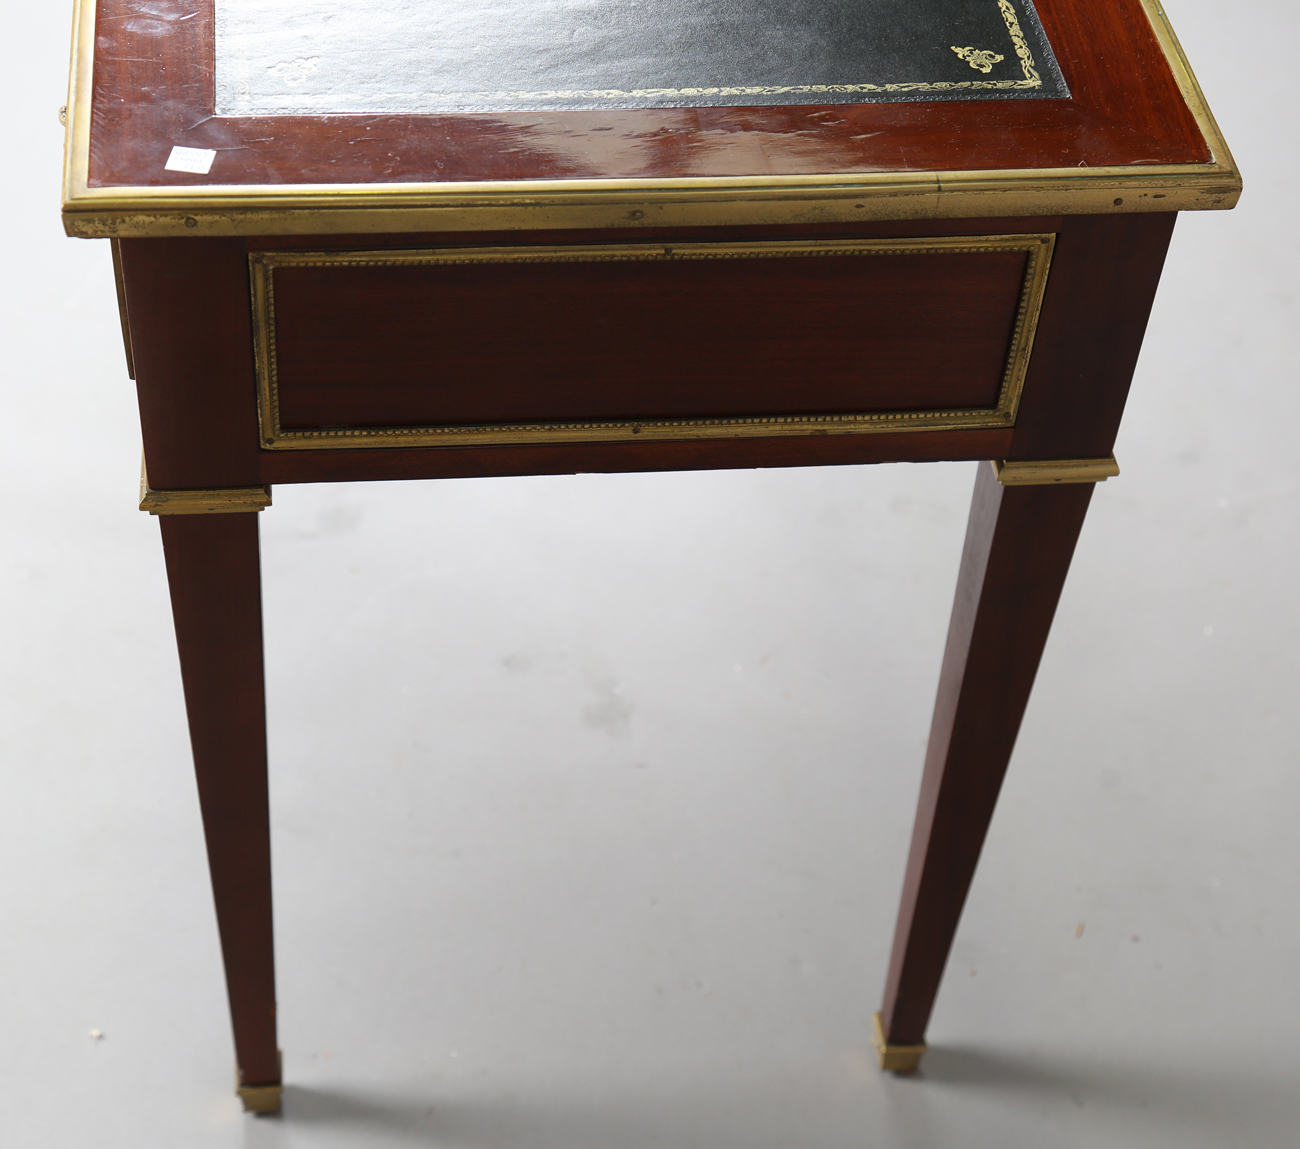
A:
(571, 338)
(189, 313)
(1105, 271)
(618, 458)
(188, 305)
(153, 90)
(212, 570)
(573, 341)
(191, 334)
(1019, 542)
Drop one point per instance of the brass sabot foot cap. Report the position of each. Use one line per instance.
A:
(895, 1058)
(260, 1098)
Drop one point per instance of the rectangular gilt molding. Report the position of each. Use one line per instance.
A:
(1037, 247)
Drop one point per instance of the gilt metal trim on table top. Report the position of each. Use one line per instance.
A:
(1045, 472)
(321, 209)
(1038, 248)
(476, 56)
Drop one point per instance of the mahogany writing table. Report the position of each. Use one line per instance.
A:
(443, 238)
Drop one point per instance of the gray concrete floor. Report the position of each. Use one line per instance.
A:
(591, 795)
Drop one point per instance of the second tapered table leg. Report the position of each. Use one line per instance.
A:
(213, 572)
(1019, 542)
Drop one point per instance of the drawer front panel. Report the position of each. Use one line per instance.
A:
(389, 348)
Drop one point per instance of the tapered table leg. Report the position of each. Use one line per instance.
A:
(1019, 542)
(212, 568)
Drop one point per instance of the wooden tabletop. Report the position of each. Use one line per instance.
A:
(1122, 127)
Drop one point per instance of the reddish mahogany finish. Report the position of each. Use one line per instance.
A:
(152, 89)
(188, 303)
(189, 309)
(617, 458)
(379, 345)
(1019, 542)
(554, 342)
(1103, 282)
(212, 569)
(191, 334)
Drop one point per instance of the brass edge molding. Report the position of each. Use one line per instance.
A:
(726, 201)
(894, 1058)
(1048, 471)
(549, 204)
(76, 133)
(1189, 86)
(540, 193)
(217, 501)
(1038, 248)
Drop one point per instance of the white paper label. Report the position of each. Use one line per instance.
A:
(197, 161)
